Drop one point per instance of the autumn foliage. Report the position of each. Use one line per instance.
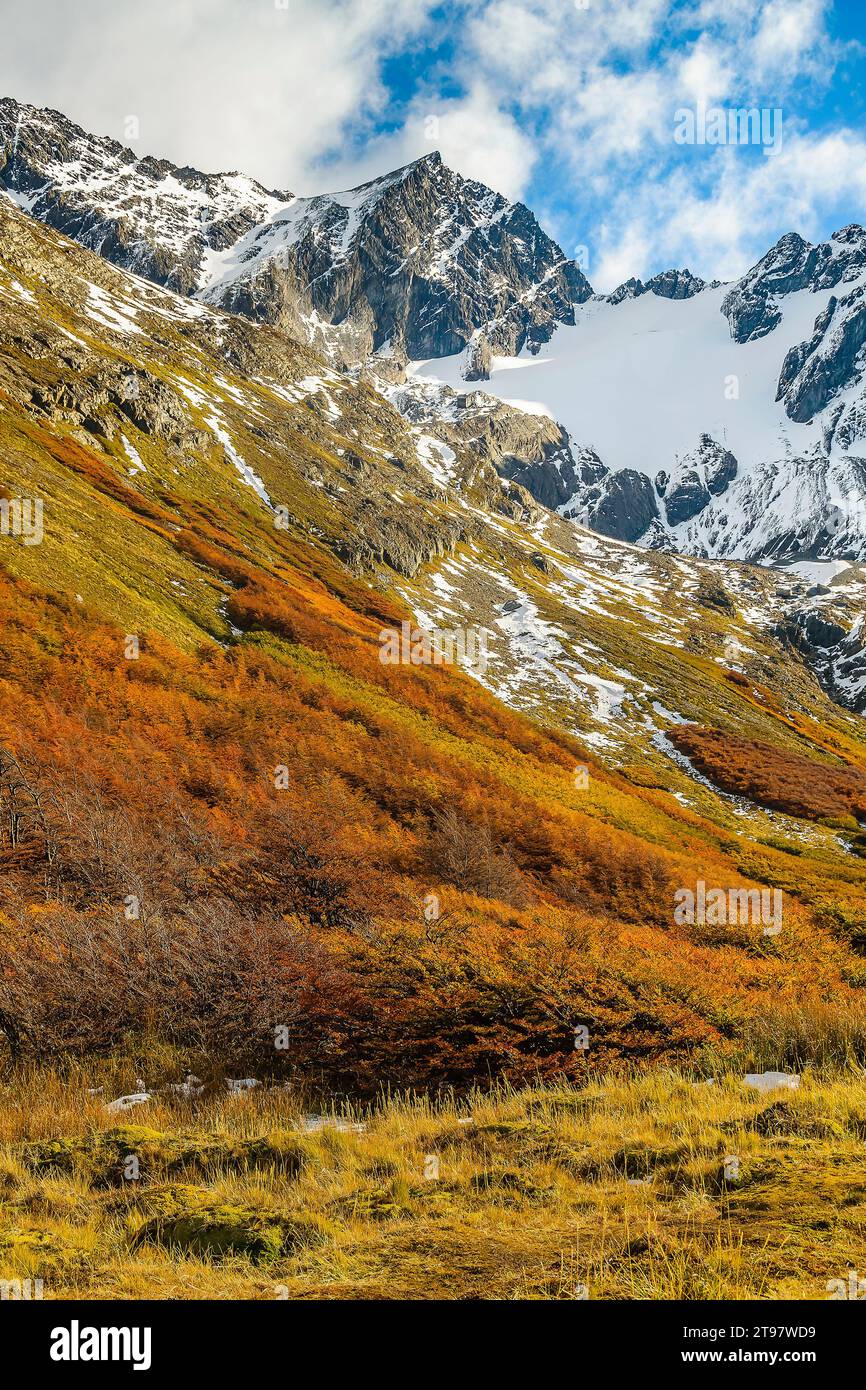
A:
(225, 847)
(771, 776)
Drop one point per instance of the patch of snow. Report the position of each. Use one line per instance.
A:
(772, 1080)
(110, 312)
(23, 292)
(646, 348)
(251, 478)
(128, 1102)
(133, 455)
(819, 571)
(436, 457)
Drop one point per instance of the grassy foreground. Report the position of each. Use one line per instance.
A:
(614, 1191)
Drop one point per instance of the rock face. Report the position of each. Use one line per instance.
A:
(676, 284)
(752, 307)
(533, 452)
(703, 474)
(626, 505)
(479, 358)
(629, 289)
(559, 473)
(86, 400)
(688, 497)
(419, 259)
(808, 630)
(834, 649)
(620, 505)
(813, 373)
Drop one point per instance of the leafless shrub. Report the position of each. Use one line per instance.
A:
(74, 983)
(465, 853)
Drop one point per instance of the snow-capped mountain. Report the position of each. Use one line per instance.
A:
(144, 215)
(418, 262)
(724, 420)
(716, 420)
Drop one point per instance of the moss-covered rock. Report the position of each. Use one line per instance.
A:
(49, 1155)
(193, 1220)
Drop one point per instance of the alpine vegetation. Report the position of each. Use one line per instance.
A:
(23, 519)
(412, 646)
(704, 906)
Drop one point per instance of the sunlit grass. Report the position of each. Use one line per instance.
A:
(614, 1191)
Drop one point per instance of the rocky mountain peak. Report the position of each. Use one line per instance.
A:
(420, 259)
(752, 307)
(676, 284)
(144, 214)
(668, 284)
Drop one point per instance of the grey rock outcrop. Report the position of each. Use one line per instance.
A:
(621, 505)
(699, 476)
(676, 284)
(668, 284)
(479, 358)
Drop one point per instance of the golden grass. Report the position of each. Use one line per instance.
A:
(615, 1191)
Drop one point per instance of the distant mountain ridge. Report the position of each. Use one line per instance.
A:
(716, 420)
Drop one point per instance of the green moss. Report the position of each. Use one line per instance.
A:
(190, 1219)
(41, 1252)
(49, 1155)
(385, 1204)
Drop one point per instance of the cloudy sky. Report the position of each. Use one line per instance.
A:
(570, 105)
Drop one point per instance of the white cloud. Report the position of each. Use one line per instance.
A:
(719, 230)
(585, 96)
(790, 32)
(624, 255)
(705, 74)
(222, 84)
(483, 142)
(472, 133)
(614, 115)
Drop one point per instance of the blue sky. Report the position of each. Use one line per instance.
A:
(570, 105)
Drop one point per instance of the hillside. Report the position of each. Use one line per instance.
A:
(255, 824)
